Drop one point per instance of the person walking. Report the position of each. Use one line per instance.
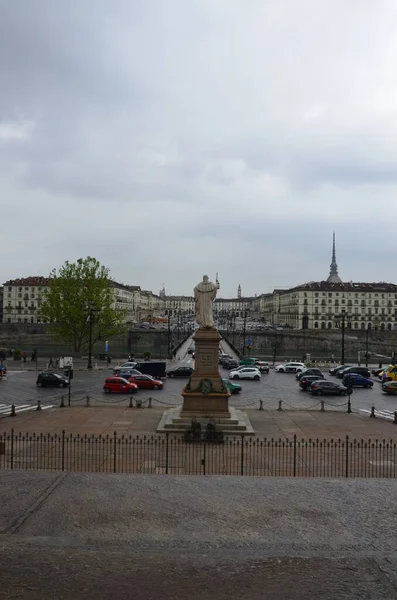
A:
(24, 355)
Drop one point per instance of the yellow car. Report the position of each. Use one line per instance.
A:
(389, 374)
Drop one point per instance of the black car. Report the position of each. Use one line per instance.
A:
(230, 364)
(328, 388)
(52, 380)
(224, 358)
(180, 372)
(360, 370)
(377, 371)
(306, 381)
(311, 371)
(335, 370)
(190, 350)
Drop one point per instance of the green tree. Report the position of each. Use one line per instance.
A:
(80, 292)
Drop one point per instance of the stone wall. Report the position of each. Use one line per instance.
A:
(25, 337)
(320, 344)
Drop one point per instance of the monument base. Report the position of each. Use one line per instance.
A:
(236, 423)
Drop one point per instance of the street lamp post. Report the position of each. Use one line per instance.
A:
(341, 323)
(91, 310)
(169, 333)
(367, 345)
(244, 329)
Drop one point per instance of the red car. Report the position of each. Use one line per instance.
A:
(146, 382)
(118, 384)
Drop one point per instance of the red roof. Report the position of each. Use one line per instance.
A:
(33, 280)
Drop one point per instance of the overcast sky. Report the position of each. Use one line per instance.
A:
(173, 138)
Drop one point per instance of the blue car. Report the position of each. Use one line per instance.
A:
(356, 380)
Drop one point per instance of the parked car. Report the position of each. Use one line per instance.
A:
(155, 368)
(127, 373)
(360, 370)
(389, 373)
(146, 382)
(234, 388)
(376, 372)
(180, 372)
(246, 373)
(290, 367)
(325, 387)
(248, 362)
(335, 370)
(389, 387)
(125, 365)
(311, 371)
(357, 380)
(307, 380)
(224, 358)
(190, 350)
(52, 380)
(263, 366)
(230, 364)
(118, 384)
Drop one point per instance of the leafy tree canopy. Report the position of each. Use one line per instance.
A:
(79, 292)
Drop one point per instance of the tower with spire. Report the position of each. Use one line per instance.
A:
(239, 291)
(333, 272)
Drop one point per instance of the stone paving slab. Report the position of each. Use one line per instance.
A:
(100, 536)
(266, 424)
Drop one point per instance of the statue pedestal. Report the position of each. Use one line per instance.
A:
(205, 395)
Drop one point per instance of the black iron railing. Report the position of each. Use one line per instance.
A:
(171, 455)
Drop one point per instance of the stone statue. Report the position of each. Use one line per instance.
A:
(204, 296)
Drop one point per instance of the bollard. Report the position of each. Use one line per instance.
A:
(139, 403)
(13, 413)
(260, 404)
(280, 404)
(96, 366)
(39, 405)
(349, 407)
(372, 415)
(395, 418)
(150, 402)
(62, 405)
(322, 409)
(130, 404)
(87, 401)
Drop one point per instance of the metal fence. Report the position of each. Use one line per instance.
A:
(171, 455)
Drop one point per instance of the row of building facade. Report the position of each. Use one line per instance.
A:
(327, 304)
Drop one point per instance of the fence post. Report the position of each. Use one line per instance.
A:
(260, 404)
(62, 405)
(295, 455)
(150, 402)
(242, 456)
(166, 452)
(87, 401)
(115, 452)
(63, 450)
(372, 415)
(280, 405)
(349, 406)
(322, 409)
(12, 450)
(347, 457)
(395, 418)
(13, 413)
(131, 405)
(39, 405)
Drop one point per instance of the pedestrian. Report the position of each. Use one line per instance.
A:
(24, 355)
(380, 364)
(50, 364)
(57, 363)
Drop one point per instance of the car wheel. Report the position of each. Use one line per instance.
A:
(155, 387)
(256, 377)
(280, 371)
(319, 393)
(107, 391)
(171, 375)
(236, 377)
(39, 384)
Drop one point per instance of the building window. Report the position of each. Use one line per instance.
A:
(329, 325)
(362, 325)
(389, 326)
(322, 324)
(315, 324)
(355, 325)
